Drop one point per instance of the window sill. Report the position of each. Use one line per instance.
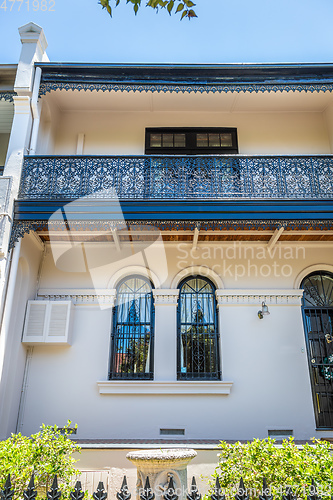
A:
(155, 387)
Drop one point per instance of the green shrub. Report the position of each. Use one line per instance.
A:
(282, 465)
(45, 454)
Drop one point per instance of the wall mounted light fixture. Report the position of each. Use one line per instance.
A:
(263, 311)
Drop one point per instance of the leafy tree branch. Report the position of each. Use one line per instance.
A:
(183, 7)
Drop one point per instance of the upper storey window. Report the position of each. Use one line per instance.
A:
(194, 141)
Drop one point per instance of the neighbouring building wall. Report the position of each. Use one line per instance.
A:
(6, 120)
(25, 289)
(123, 133)
(4, 139)
(266, 360)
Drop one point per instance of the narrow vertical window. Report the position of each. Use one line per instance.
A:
(318, 323)
(198, 339)
(133, 330)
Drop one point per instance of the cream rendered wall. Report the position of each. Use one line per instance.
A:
(266, 360)
(124, 133)
(239, 265)
(329, 121)
(47, 129)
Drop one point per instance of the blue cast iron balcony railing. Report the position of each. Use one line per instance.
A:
(177, 177)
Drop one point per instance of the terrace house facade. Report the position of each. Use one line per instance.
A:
(152, 212)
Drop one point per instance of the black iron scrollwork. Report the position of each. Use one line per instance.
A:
(147, 493)
(77, 493)
(30, 493)
(217, 491)
(242, 493)
(266, 491)
(170, 492)
(289, 495)
(194, 493)
(100, 493)
(54, 493)
(124, 494)
(313, 492)
(7, 492)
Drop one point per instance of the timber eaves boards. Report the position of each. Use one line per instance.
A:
(187, 78)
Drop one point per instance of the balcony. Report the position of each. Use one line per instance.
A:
(177, 177)
(177, 193)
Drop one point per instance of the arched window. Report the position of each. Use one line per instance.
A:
(133, 330)
(318, 321)
(198, 339)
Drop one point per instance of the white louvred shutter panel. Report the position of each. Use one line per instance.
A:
(58, 330)
(48, 322)
(59, 317)
(34, 327)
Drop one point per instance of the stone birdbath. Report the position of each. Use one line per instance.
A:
(160, 466)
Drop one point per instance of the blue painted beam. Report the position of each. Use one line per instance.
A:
(162, 210)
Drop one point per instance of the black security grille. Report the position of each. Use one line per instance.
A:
(132, 336)
(318, 322)
(198, 339)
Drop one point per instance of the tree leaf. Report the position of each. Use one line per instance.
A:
(188, 3)
(180, 7)
(184, 14)
(170, 6)
(106, 5)
(191, 13)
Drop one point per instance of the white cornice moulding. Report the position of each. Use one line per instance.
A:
(80, 296)
(33, 33)
(290, 297)
(152, 387)
(166, 296)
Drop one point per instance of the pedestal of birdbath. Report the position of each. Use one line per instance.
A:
(161, 466)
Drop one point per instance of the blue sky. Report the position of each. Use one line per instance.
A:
(225, 31)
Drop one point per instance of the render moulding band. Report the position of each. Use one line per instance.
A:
(166, 297)
(253, 297)
(164, 387)
(80, 296)
(103, 296)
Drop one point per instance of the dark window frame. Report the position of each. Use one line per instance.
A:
(114, 375)
(320, 366)
(190, 140)
(211, 375)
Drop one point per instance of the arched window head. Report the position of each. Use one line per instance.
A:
(318, 327)
(318, 289)
(198, 339)
(133, 330)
